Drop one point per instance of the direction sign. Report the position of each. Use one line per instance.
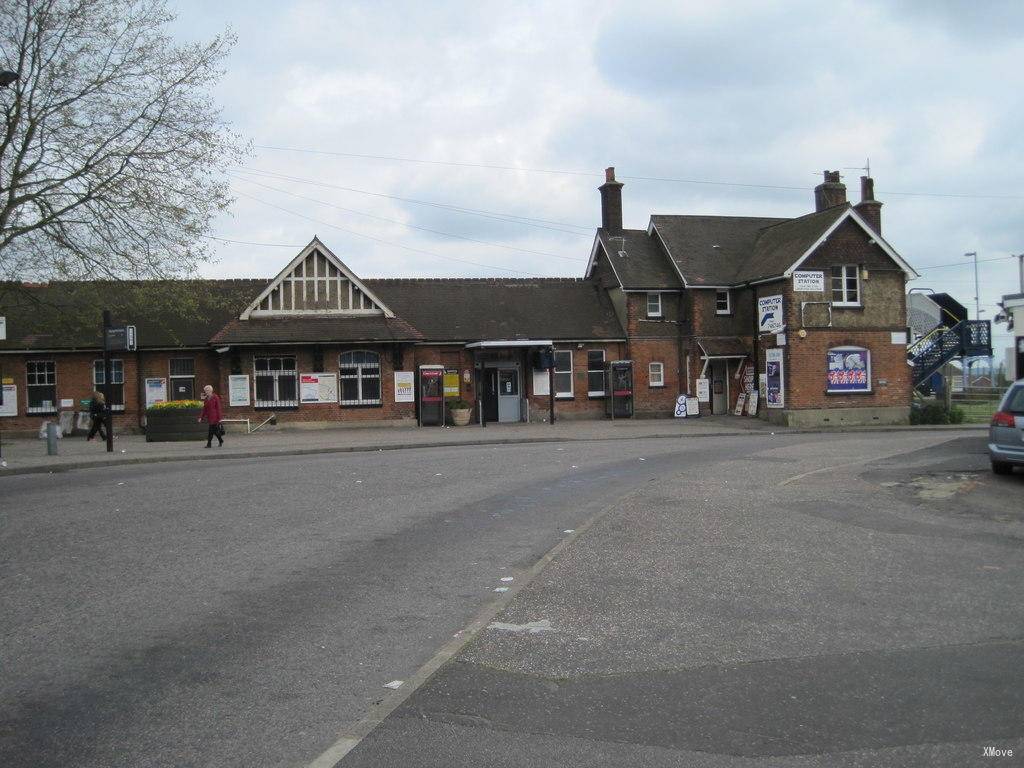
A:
(121, 337)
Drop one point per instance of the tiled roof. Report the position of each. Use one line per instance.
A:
(778, 247)
(312, 328)
(67, 315)
(497, 308)
(638, 260)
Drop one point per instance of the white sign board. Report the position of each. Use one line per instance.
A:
(780, 339)
(67, 402)
(10, 405)
(541, 382)
(680, 409)
(156, 391)
(692, 407)
(238, 389)
(741, 400)
(769, 314)
(318, 388)
(752, 399)
(3, 328)
(703, 390)
(810, 282)
(405, 387)
(899, 338)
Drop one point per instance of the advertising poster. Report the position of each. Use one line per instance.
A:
(541, 382)
(405, 387)
(769, 314)
(811, 282)
(318, 388)
(9, 407)
(748, 377)
(238, 390)
(692, 407)
(773, 377)
(703, 391)
(680, 410)
(752, 404)
(156, 391)
(849, 370)
(451, 383)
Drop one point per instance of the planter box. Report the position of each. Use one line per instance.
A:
(460, 416)
(174, 425)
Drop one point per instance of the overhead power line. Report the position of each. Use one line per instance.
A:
(402, 223)
(377, 239)
(249, 242)
(562, 172)
(965, 263)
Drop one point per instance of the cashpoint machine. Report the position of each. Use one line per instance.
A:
(430, 388)
(619, 400)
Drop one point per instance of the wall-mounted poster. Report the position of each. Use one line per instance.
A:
(238, 389)
(318, 388)
(769, 314)
(849, 370)
(156, 391)
(703, 391)
(9, 407)
(451, 383)
(541, 382)
(773, 379)
(405, 387)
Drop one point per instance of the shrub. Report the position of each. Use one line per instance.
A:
(956, 415)
(935, 413)
(459, 404)
(174, 405)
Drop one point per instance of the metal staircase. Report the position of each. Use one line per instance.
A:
(968, 338)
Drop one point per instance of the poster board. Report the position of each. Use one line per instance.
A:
(3, 328)
(752, 399)
(740, 402)
(10, 404)
(156, 391)
(849, 369)
(774, 377)
(680, 410)
(238, 389)
(769, 314)
(703, 391)
(692, 406)
(809, 281)
(405, 387)
(451, 384)
(318, 388)
(541, 382)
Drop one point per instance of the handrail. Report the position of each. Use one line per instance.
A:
(927, 338)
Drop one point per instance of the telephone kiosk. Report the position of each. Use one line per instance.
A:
(430, 388)
(619, 398)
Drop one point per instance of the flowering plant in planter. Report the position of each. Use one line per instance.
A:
(174, 420)
(461, 411)
(174, 405)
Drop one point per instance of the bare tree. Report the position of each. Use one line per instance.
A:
(112, 155)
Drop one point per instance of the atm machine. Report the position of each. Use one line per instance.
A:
(430, 388)
(619, 401)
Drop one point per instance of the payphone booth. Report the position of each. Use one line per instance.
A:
(619, 402)
(431, 395)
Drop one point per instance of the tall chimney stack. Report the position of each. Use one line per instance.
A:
(611, 202)
(869, 209)
(830, 193)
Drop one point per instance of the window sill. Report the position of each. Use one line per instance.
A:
(564, 397)
(655, 386)
(359, 405)
(655, 317)
(844, 393)
(596, 395)
(848, 306)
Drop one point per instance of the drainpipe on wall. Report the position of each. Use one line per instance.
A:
(140, 385)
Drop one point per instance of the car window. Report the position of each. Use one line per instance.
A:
(1015, 401)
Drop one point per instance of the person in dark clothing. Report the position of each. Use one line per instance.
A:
(97, 412)
(211, 415)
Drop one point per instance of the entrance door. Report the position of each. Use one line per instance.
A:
(719, 387)
(490, 394)
(508, 394)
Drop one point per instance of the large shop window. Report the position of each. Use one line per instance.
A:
(563, 373)
(41, 378)
(846, 286)
(116, 393)
(595, 373)
(360, 378)
(183, 378)
(849, 369)
(276, 382)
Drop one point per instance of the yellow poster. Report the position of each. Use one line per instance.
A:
(451, 383)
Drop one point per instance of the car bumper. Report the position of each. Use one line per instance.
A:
(1006, 453)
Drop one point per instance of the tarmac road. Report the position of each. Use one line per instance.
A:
(247, 612)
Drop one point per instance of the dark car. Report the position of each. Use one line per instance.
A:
(1006, 433)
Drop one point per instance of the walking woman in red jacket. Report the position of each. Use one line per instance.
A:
(211, 415)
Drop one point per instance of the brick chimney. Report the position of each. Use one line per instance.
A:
(869, 209)
(611, 202)
(830, 193)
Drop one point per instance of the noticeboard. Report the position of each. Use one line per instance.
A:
(692, 406)
(9, 406)
(156, 391)
(318, 388)
(238, 389)
(451, 384)
(703, 391)
(405, 387)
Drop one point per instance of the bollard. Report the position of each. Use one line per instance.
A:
(51, 439)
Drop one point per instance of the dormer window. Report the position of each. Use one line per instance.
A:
(654, 305)
(846, 286)
(723, 303)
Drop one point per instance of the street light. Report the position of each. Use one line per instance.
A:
(977, 301)
(6, 78)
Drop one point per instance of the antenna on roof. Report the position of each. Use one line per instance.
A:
(866, 167)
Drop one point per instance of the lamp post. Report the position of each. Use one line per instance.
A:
(977, 300)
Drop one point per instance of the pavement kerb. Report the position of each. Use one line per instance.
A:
(135, 460)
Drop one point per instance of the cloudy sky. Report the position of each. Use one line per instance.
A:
(444, 139)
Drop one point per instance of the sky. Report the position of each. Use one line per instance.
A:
(468, 139)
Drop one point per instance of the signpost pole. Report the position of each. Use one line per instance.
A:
(107, 389)
(551, 394)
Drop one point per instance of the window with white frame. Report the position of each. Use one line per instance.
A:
(595, 373)
(183, 378)
(723, 303)
(656, 374)
(115, 396)
(563, 373)
(41, 380)
(846, 285)
(277, 382)
(654, 305)
(359, 372)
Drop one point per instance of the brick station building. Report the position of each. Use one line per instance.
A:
(809, 313)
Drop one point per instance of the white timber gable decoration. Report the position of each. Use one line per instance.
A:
(316, 282)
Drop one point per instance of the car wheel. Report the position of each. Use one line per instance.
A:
(1002, 468)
